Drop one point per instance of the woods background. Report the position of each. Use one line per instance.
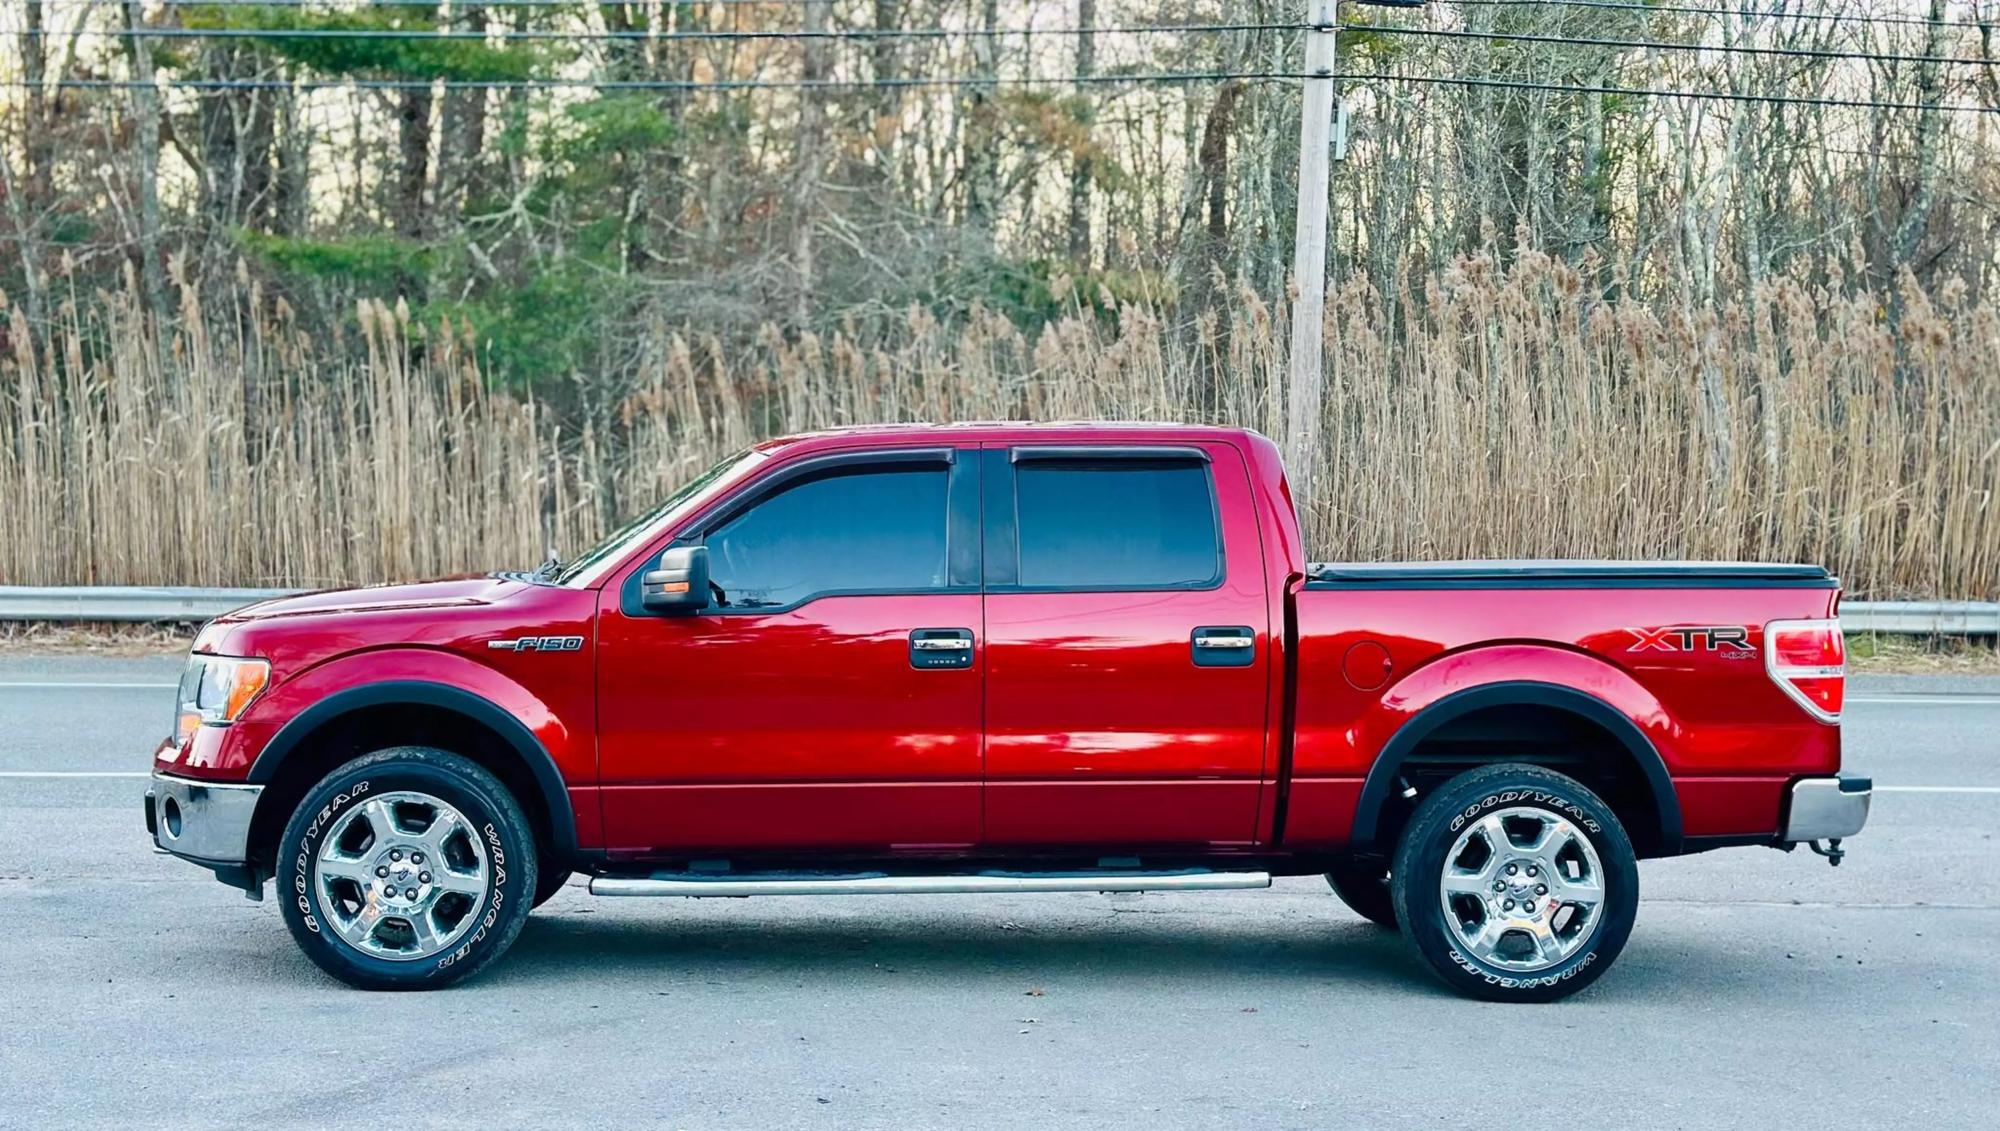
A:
(315, 293)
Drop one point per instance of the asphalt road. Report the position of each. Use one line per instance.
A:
(1759, 989)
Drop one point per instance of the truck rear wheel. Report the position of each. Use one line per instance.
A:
(409, 868)
(1515, 883)
(1364, 888)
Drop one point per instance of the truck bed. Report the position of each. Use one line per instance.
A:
(1673, 646)
(1560, 574)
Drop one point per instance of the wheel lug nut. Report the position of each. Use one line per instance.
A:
(1541, 889)
(409, 893)
(1498, 887)
(1506, 905)
(382, 871)
(423, 877)
(1529, 907)
(1511, 869)
(1534, 871)
(395, 854)
(416, 857)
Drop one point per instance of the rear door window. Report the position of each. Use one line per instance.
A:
(1117, 524)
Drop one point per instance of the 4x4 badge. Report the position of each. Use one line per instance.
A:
(539, 644)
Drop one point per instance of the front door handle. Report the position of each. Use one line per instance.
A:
(934, 648)
(1224, 646)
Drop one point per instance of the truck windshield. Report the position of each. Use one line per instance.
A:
(617, 539)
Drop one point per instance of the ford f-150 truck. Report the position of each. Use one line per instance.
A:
(1006, 657)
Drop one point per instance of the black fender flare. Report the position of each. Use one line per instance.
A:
(1381, 782)
(424, 693)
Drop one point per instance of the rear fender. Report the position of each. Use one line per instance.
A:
(1518, 674)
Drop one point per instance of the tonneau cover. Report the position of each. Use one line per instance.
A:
(1558, 573)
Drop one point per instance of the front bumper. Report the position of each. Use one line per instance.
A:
(1826, 808)
(207, 822)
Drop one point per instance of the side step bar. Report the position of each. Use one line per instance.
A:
(877, 883)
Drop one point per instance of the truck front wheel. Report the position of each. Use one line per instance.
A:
(409, 868)
(1515, 883)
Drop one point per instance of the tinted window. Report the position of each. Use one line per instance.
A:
(868, 531)
(1115, 525)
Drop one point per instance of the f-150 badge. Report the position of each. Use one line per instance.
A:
(539, 644)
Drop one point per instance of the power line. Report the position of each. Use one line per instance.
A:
(1725, 48)
(1696, 10)
(1113, 79)
(670, 36)
(461, 5)
(1663, 92)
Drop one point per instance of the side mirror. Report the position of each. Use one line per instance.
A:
(680, 584)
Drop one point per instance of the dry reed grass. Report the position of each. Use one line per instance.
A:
(1507, 414)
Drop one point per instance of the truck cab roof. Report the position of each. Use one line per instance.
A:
(985, 431)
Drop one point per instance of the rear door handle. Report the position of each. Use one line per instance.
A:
(1224, 646)
(934, 648)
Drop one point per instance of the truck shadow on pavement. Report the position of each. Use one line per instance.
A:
(1141, 949)
(944, 949)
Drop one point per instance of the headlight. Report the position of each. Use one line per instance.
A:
(216, 689)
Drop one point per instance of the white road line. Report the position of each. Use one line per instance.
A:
(74, 774)
(88, 686)
(1926, 701)
(1937, 789)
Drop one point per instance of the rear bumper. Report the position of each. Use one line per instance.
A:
(207, 822)
(1826, 808)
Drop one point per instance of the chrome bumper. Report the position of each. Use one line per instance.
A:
(1827, 808)
(204, 821)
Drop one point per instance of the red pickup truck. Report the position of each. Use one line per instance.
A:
(1006, 657)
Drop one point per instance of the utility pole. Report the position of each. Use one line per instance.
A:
(152, 273)
(1302, 397)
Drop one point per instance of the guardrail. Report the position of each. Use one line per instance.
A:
(1922, 618)
(175, 603)
(124, 602)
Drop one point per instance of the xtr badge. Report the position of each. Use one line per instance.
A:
(1731, 639)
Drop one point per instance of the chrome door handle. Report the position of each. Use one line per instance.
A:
(1223, 646)
(935, 648)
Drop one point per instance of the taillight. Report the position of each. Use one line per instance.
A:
(1808, 660)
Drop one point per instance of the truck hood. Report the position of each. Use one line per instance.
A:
(447, 593)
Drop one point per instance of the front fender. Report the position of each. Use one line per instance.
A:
(255, 747)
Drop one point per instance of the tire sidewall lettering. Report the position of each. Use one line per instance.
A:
(1532, 982)
(307, 851)
(496, 849)
(1538, 797)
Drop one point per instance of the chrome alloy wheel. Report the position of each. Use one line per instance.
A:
(1522, 889)
(401, 876)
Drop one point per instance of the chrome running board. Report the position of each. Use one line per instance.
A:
(725, 884)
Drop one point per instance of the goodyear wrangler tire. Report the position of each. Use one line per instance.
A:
(406, 869)
(1515, 883)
